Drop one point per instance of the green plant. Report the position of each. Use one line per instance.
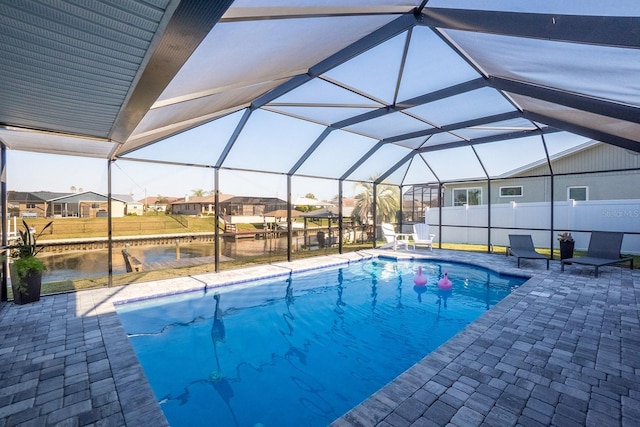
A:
(28, 243)
(565, 237)
(24, 255)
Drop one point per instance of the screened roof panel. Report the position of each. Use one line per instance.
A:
(454, 164)
(363, 6)
(324, 161)
(431, 65)
(322, 92)
(508, 157)
(412, 143)
(471, 105)
(271, 142)
(442, 138)
(379, 162)
(201, 145)
(417, 172)
(575, 67)
(380, 77)
(174, 114)
(581, 119)
(389, 125)
(497, 128)
(325, 115)
(239, 54)
(570, 7)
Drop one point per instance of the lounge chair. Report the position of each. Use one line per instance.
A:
(521, 247)
(421, 236)
(604, 249)
(398, 239)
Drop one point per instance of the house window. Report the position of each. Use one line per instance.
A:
(95, 205)
(467, 196)
(31, 205)
(511, 191)
(578, 193)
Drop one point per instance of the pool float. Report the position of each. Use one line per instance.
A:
(420, 280)
(444, 283)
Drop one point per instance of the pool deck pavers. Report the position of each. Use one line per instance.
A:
(563, 349)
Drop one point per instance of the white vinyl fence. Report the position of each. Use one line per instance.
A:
(598, 215)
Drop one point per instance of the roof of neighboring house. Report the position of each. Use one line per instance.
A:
(33, 196)
(91, 196)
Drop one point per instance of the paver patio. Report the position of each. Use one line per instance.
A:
(563, 349)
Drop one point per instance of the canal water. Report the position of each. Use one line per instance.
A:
(94, 263)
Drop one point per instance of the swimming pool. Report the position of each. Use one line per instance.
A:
(304, 348)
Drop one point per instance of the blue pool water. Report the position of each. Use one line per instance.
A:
(301, 349)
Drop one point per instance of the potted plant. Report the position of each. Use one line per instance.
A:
(566, 245)
(26, 268)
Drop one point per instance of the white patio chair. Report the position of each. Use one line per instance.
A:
(421, 236)
(398, 239)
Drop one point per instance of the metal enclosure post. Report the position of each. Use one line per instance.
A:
(109, 227)
(4, 204)
(489, 246)
(374, 209)
(216, 207)
(289, 223)
(340, 222)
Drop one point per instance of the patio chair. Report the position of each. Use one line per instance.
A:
(421, 236)
(604, 249)
(398, 239)
(521, 247)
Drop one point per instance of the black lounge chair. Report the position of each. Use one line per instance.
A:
(521, 247)
(604, 249)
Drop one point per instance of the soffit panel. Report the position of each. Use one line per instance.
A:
(574, 67)
(69, 67)
(55, 143)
